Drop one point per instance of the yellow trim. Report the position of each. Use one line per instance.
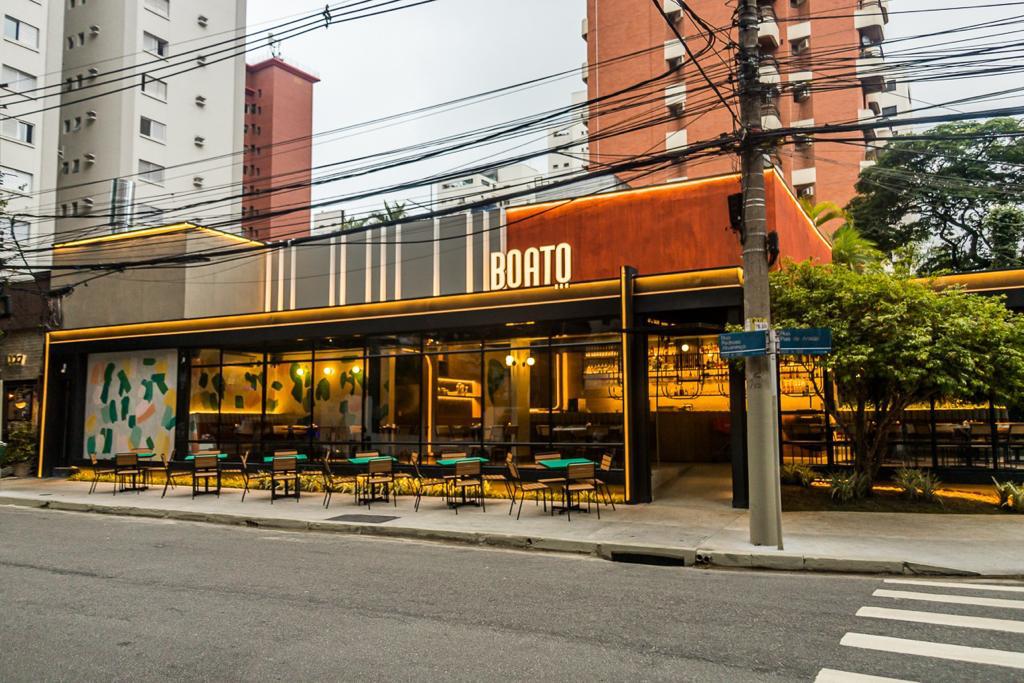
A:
(456, 303)
(627, 442)
(42, 415)
(985, 281)
(150, 232)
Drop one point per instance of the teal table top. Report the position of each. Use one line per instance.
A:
(447, 462)
(220, 456)
(270, 458)
(365, 459)
(563, 463)
(145, 455)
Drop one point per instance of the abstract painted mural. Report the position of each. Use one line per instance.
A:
(130, 402)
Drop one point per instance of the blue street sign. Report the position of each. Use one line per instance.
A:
(814, 341)
(743, 344)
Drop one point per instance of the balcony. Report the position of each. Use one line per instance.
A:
(871, 66)
(867, 163)
(585, 72)
(769, 73)
(864, 116)
(584, 28)
(870, 19)
(768, 30)
(675, 98)
(674, 53)
(804, 176)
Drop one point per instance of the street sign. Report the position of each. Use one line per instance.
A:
(814, 341)
(743, 344)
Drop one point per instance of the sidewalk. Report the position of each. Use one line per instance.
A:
(697, 528)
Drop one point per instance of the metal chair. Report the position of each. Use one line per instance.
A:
(580, 480)
(378, 477)
(285, 470)
(466, 480)
(424, 484)
(602, 485)
(126, 465)
(516, 482)
(98, 471)
(205, 468)
(169, 473)
(333, 482)
(501, 477)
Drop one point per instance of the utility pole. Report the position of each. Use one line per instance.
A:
(762, 388)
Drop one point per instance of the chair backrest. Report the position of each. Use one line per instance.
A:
(209, 451)
(367, 454)
(126, 459)
(547, 456)
(583, 470)
(93, 459)
(380, 465)
(467, 468)
(206, 462)
(166, 459)
(285, 452)
(455, 455)
(513, 470)
(1017, 429)
(606, 462)
(141, 450)
(287, 463)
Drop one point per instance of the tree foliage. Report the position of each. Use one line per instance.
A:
(899, 342)
(943, 192)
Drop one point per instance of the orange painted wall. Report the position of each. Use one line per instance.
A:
(662, 229)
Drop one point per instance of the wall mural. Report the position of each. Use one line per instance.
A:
(130, 402)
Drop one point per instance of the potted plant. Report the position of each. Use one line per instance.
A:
(21, 451)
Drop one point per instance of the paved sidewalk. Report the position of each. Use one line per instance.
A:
(694, 524)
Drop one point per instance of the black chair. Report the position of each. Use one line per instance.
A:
(332, 481)
(516, 483)
(464, 483)
(126, 466)
(204, 469)
(284, 470)
(425, 484)
(98, 471)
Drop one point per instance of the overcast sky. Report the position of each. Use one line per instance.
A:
(452, 48)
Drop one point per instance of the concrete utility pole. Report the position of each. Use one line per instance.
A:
(762, 390)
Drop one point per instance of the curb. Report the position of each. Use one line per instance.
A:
(616, 552)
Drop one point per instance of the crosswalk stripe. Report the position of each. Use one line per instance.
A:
(837, 676)
(954, 584)
(939, 619)
(950, 599)
(923, 648)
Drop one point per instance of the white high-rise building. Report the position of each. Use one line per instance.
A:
(573, 159)
(172, 134)
(30, 58)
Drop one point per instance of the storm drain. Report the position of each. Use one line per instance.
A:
(647, 558)
(364, 519)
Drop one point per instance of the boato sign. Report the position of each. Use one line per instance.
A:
(532, 267)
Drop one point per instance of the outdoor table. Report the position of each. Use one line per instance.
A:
(449, 462)
(220, 456)
(298, 457)
(563, 464)
(362, 460)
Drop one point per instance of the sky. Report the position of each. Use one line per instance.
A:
(452, 48)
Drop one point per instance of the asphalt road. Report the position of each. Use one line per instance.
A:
(99, 598)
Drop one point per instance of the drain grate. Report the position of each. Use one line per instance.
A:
(365, 519)
(646, 558)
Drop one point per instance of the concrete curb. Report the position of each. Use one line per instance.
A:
(625, 552)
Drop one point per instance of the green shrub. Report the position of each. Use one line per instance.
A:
(21, 446)
(848, 486)
(1011, 496)
(798, 474)
(917, 484)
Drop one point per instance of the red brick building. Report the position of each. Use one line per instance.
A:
(840, 45)
(278, 148)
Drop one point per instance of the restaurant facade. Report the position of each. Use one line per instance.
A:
(585, 326)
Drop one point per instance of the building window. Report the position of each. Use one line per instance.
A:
(65, 167)
(888, 112)
(76, 165)
(154, 44)
(20, 232)
(153, 130)
(150, 172)
(13, 180)
(16, 81)
(161, 7)
(154, 87)
(20, 32)
(81, 38)
(21, 131)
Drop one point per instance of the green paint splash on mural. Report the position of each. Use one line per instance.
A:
(112, 412)
(253, 379)
(108, 437)
(125, 403)
(169, 420)
(147, 387)
(123, 386)
(90, 445)
(159, 380)
(239, 402)
(276, 386)
(108, 375)
(149, 442)
(323, 390)
(149, 361)
(132, 421)
(204, 379)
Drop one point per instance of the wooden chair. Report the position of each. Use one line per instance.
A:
(466, 480)
(424, 484)
(516, 482)
(602, 485)
(126, 465)
(205, 468)
(98, 471)
(333, 482)
(541, 457)
(580, 480)
(379, 476)
(246, 471)
(169, 473)
(501, 477)
(285, 470)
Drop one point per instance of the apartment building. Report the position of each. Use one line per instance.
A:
(174, 136)
(475, 187)
(30, 54)
(564, 160)
(803, 44)
(278, 149)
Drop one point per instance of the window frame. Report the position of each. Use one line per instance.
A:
(145, 176)
(5, 189)
(146, 80)
(16, 38)
(18, 76)
(143, 120)
(160, 42)
(19, 125)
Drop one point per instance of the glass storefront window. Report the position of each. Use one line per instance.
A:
(393, 399)
(205, 357)
(204, 407)
(338, 398)
(516, 398)
(456, 405)
(288, 409)
(242, 404)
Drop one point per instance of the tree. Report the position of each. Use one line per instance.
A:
(939, 191)
(1003, 229)
(854, 251)
(822, 213)
(390, 213)
(899, 342)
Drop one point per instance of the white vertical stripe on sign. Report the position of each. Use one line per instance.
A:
(485, 256)
(291, 280)
(343, 271)
(280, 278)
(437, 257)
(398, 262)
(268, 277)
(469, 252)
(331, 270)
(368, 266)
(384, 263)
(924, 648)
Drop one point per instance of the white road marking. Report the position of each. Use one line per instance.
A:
(959, 653)
(1008, 625)
(954, 584)
(837, 676)
(950, 599)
